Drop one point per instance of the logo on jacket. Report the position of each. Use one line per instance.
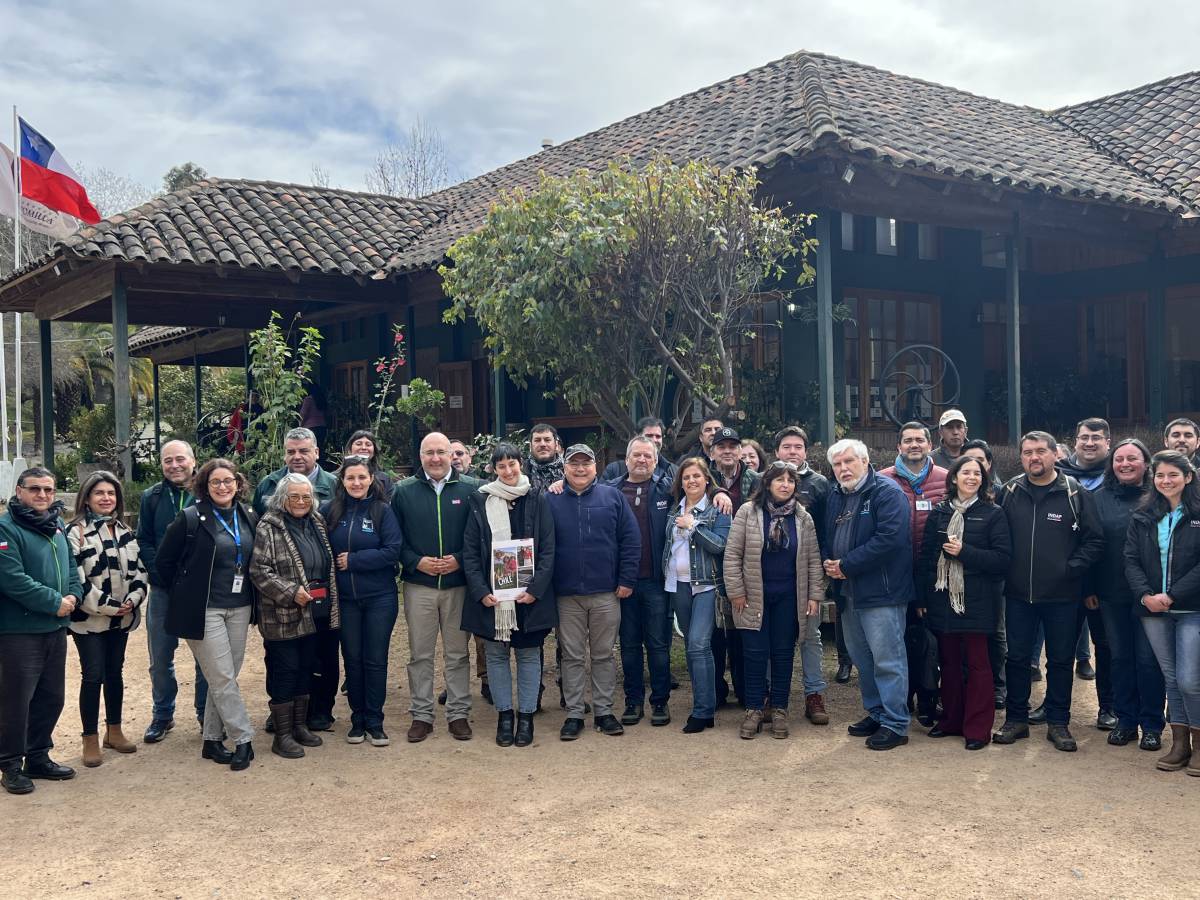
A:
(1053, 517)
(455, 502)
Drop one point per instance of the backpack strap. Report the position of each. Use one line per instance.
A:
(191, 518)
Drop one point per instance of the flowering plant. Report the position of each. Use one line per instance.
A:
(382, 405)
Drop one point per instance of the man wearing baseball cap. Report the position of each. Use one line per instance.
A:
(597, 549)
(952, 434)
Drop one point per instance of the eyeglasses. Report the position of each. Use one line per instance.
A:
(37, 489)
(221, 482)
(299, 498)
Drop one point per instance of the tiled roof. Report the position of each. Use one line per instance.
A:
(157, 335)
(1154, 128)
(808, 102)
(261, 224)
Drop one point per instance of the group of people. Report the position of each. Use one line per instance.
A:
(945, 580)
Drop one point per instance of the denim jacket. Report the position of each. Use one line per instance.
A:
(706, 545)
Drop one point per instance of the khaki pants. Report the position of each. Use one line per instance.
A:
(220, 655)
(429, 611)
(588, 624)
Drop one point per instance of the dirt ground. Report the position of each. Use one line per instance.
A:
(653, 813)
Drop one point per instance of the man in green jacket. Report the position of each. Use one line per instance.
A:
(39, 588)
(300, 453)
(431, 507)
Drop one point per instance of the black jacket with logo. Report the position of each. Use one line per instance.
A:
(1055, 541)
(1143, 562)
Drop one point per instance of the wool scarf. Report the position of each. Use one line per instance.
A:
(777, 533)
(500, 496)
(44, 523)
(950, 568)
(915, 481)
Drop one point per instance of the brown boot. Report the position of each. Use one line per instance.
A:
(114, 739)
(91, 751)
(300, 730)
(814, 709)
(1194, 766)
(1181, 750)
(779, 723)
(751, 725)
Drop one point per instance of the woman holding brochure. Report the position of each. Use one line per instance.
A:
(508, 560)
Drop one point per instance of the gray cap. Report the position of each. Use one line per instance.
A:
(577, 449)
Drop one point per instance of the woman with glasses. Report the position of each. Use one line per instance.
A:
(775, 582)
(365, 537)
(114, 587)
(692, 558)
(965, 551)
(292, 570)
(1162, 565)
(205, 559)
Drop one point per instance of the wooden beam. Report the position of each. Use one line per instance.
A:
(47, 392)
(1012, 289)
(75, 291)
(824, 267)
(121, 387)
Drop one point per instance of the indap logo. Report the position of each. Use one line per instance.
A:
(1053, 517)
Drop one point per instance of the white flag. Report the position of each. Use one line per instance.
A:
(34, 215)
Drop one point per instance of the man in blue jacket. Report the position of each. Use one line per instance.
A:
(867, 535)
(597, 549)
(161, 503)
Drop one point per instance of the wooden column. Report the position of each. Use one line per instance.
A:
(198, 387)
(1156, 339)
(499, 400)
(825, 377)
(121, 404)
(157, 414)
(47, 391)
(1012, 292)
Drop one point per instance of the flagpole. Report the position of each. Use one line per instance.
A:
(16, 315)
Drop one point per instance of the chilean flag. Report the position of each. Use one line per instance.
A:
(46, 178)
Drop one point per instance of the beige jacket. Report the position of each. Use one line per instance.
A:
(743, 565)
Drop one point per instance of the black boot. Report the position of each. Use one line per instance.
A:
(284, 744)
(504, 728)
(300, 731)
(524, 729)
(217, 752)
(242, 757)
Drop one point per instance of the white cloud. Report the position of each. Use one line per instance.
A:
(264, 90)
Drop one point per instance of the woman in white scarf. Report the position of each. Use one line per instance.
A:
(513, 621)
(964, 555)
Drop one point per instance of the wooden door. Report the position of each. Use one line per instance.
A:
(458, 416)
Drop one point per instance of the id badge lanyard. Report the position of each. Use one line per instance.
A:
(236, 533)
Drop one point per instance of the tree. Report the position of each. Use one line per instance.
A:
(179, 177)
(623, 283)
(418, 165)
(113, 193)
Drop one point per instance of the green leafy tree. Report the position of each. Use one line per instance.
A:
(619, 283)
(280, 362)
(179, 177)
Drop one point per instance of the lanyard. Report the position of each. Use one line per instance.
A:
(235, 533)
(182, 495)
(57, 565)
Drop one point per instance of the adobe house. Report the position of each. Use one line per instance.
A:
(1063, 245)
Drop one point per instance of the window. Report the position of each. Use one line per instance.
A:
(993, 249)
(885, 236)
(1183, 351)
(884, 323)
(350, 384)
(847, 231)
(1113, 362)
(927, 244)
(756, 376)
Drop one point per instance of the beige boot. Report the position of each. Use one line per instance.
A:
(779, 723)
(114, 739)
(751, 725)
(91, 751)
(1181, 750)
(1194, 766)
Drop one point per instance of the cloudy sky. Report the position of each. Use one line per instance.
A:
(265, 89)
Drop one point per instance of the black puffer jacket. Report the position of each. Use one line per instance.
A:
(1143, 562)
(986, 555)
(1115, 503)
(1055, 541)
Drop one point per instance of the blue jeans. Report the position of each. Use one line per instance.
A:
(1139, 691)
(697, 616)
(646, 619)
(162, 647)
(875, 639)
(1175, 638)
(366, 633)
(1058, 621)
(775, 643)
(529, 676)
(812, 654)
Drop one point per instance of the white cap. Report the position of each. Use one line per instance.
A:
(952, 415)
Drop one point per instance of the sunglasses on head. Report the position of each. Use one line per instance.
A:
(783, 464)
